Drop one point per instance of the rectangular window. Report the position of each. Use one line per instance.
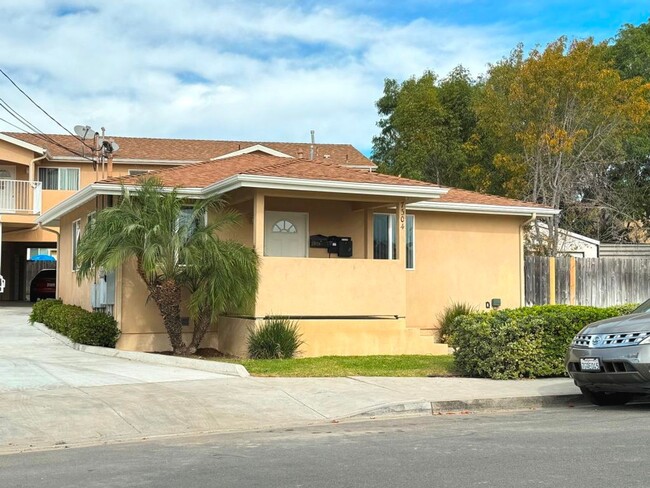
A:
(385, 238)
(59, 178)
(139, 172)
(410, 242)
(76, 234)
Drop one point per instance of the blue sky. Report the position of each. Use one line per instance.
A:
(261, 70)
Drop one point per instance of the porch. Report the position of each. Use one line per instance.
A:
(348, 301)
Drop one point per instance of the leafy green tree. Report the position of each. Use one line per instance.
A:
(559, 118)
(424, 124)
(173, 248)
(630, 52)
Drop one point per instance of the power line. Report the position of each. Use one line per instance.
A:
(35, 131)
(42, 109)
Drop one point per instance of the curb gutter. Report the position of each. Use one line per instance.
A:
(469, 406)
(145, 357)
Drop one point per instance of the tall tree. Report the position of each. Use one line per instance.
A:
(626, 217)
(424, 123)
(562, 115)
(174, 248)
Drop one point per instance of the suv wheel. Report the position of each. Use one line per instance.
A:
(604, 399)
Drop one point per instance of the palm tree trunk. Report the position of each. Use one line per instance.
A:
(167, 296)
(201, 326)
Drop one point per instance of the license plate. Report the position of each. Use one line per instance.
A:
(590, 365)
(50, 285)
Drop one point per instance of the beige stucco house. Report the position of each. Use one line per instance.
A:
(39, 171)
(407, 250)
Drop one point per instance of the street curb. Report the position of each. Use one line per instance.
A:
(145, 357)
(468, 406)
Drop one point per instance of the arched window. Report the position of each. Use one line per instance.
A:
(284, 226)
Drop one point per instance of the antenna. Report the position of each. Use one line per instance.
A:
(102, 149)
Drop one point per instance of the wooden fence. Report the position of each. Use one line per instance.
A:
(600, 282)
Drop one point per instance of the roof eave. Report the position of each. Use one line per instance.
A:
(23, 144)
(324, 186)
(52, 216)
(476, 208)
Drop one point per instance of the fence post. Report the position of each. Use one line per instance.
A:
(572, 280)
(551, 280)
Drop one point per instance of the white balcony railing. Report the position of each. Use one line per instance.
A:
(20, 197)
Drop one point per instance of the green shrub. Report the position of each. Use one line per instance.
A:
(82, 326)
(449, 315)
(525, 342)
(277, 338)
(95, 329)
(60, 318)
(40, 308)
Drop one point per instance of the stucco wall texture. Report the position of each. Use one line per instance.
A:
(353, 306)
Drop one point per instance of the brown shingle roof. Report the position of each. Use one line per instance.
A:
(201, 175)
(143, 148)
(456, 195)
(206, 173)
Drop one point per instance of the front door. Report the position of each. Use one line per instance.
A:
(7, 189)
(285, 234)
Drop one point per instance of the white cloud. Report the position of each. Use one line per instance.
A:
(272, 72)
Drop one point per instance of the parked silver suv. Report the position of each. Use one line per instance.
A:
(610, 360)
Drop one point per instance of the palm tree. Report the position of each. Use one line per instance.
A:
(173, 247)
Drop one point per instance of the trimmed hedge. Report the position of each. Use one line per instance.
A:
(527, 342)
(40, 308)
(79, 325)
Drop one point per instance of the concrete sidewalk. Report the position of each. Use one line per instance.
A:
(53, 396)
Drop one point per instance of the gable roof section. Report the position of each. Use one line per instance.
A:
(20, 143)
(177, 151)
(264, 168)
(251, 149)
(258, 170)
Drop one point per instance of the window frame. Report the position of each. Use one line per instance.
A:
(76, 236)
(58, 177)
(392, 237)
(140, 172)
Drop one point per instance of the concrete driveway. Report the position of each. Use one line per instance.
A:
(32, 360)
(53, 395)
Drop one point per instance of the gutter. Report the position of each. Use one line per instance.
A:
(479, 208)
(249, 181)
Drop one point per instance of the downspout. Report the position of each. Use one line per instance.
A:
(31, 165)
(522, 271)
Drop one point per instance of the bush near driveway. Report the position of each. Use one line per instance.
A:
(40, 308)
(79, 325)
(527, 342)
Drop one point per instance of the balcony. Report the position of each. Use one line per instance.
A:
(20, 197)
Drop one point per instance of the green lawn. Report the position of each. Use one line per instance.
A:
(350, 366)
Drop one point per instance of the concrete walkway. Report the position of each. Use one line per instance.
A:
(54, 396)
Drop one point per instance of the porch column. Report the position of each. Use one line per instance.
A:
(400, 219)
(258, 222)
(369, 231)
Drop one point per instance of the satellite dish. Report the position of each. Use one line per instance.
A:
(84, 131)
(110, 146)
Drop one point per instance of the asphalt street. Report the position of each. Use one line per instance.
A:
(563, 447)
